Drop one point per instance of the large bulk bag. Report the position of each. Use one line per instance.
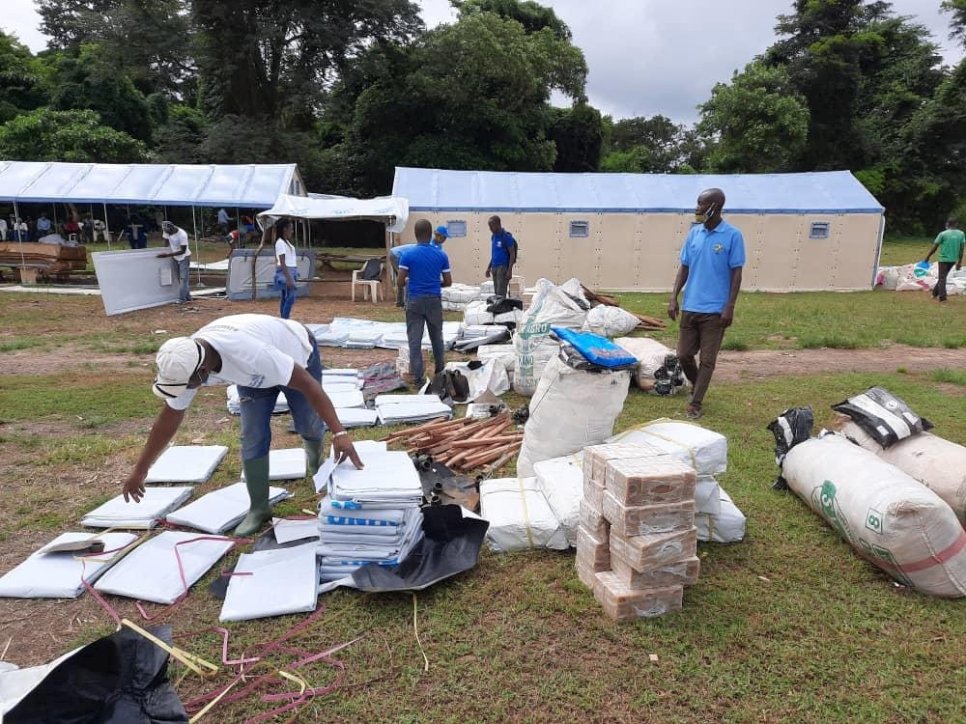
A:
(887, 517)
(570, 410)
(658, 368)
(552, 306)
(610, 321)
(938, 464)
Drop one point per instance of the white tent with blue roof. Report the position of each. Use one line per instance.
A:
(623, 232)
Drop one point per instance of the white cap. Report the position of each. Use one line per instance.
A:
(178, 359)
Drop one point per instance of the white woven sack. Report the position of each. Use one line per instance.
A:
(610, 321)
(888, 518)
(570, 410)
(937, 463)
(519, 516)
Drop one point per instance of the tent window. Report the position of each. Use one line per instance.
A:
(579, 229)
(819, 230)
(456, 228)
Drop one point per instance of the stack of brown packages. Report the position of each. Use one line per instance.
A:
(636, 544)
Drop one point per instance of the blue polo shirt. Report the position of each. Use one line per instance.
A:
(501, 243)
(710, 256)
(425, 264)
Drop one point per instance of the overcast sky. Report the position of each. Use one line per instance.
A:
(645, 56)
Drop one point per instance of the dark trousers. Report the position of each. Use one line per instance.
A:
(699, 334)
(501, 279)
(939, 291)
(428, 311)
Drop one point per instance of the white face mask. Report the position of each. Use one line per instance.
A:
(703, 218)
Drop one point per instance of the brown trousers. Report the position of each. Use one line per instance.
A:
(699, 333)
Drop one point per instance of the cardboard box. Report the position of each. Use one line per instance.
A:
(593, 552)
(626, 604)
(645, 552)
(594, 495)
(682, 573)
(593, 520)
(647, 519)
(597, 456)
(649, 481)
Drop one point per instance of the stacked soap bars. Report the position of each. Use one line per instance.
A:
(637, 543)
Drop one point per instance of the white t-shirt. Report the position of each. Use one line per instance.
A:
(176, 241)
(256, 351)
(284, 247)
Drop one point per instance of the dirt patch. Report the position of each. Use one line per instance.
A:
(762, 364)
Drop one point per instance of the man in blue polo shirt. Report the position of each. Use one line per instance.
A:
(710, 273)
(423, 271)
(503, 255)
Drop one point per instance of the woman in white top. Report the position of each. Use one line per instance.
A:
(286, 266)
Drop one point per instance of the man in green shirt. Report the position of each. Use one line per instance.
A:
(950, 244)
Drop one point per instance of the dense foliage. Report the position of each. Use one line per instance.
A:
(349, 90)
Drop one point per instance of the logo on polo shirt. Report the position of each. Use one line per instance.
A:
(718, 248)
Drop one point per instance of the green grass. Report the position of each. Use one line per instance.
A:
(904, 250)
(24, 342)
(110, 396)
(953, 377)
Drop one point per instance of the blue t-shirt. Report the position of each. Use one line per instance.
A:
(425, 264)
(710, 256)
(501, 242)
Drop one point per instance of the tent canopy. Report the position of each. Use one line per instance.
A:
(831, 192)
(390, 210)
(249, 186)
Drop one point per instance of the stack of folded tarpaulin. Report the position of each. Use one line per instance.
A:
(396, 409)
(370, 516)
(897, 522)
(494, 310)
(474, 336)
(352, 333)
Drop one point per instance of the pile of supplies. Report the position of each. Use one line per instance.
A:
(370, 515)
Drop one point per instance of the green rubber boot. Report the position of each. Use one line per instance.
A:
(313, 456)
(256, 480)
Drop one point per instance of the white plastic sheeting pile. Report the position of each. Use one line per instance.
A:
(163, 568)
(520, 517)
(288, 464)
(155, 505)
(62, 574)
(234, 402)
(888, 518)
(352, 333)
(652, 364)
(552, 306)
(272, 583)
(570, 410)
(371, 515)
(395, 409)
(561, 480)
(186, 464)
(610, 321)
(220, 509)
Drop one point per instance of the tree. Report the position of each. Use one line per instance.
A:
(48, 135)
(577, 134)
(149, 40)
(86, 78)
(650, 145)
(531, 15)
(21, 84)
(474, 94)
(957, 25)
(759, 121)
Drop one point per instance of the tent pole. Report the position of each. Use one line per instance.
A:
(107, 226)
(16, 226)
(90, 209)
(194, 223)
(55, 219)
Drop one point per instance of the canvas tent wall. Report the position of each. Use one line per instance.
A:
(623, 232)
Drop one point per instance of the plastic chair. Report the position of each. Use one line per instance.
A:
(369, 277)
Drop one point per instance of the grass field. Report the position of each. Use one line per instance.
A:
(787, 625)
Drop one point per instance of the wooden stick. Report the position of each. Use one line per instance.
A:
(482, 458)
(486, 442)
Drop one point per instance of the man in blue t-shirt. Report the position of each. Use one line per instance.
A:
(423, 271)
(503, 255)
(710, 273)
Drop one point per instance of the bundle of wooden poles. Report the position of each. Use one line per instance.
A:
(465, 443)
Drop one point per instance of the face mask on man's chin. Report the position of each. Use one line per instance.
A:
(703, 218)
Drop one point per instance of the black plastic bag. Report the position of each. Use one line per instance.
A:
(883, 416)
(791, 427)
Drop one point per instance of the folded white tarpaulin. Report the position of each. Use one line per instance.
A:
(292, 529)
(272, 583)
(162, 569)
(520, 517)
(186, 464)
(154, 505)
(348, 398)
(59, 575)
(288, 464)
(356, 417)
(393, 211)
(394, 409)
(248, 186)
(340, 384)
(220, 509)
(234, 402)
(704, 450)
(389, 476)
(727, 526)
